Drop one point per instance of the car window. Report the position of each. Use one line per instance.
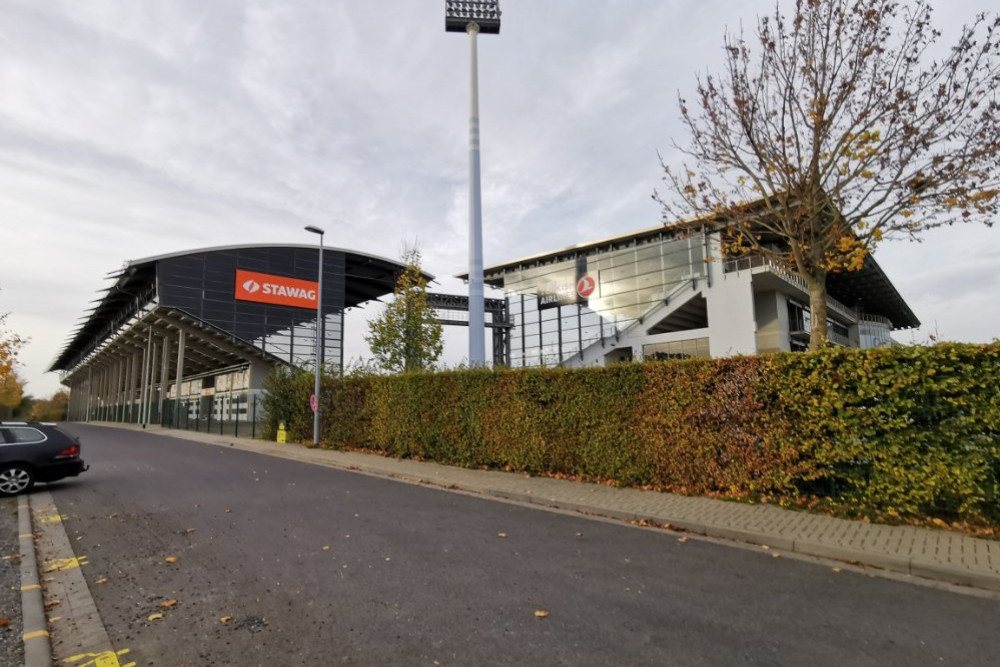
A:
(23, 435)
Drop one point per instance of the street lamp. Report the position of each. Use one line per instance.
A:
(319, 336)
(474, 17)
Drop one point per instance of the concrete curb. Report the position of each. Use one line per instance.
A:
(37, 651)
(907, 566)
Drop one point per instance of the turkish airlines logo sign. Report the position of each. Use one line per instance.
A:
(277, 290)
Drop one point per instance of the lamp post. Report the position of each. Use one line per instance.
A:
(319, 336)
(474, 17)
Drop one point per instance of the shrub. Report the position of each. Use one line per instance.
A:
(908, 430)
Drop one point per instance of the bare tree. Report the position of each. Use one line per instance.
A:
(840, 131)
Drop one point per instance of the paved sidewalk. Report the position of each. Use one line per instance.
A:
(934, 554)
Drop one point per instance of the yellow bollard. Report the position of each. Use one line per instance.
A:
(282, 434)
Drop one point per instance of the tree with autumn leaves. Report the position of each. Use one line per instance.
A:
(407, 336)
(11, 386)
(837, 127)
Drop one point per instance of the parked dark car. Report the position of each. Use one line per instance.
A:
(36, 452)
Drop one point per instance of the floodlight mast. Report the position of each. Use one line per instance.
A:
(474, 17)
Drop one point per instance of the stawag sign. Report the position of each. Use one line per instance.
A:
(277, 290)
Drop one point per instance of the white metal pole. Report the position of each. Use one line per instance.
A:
(319, 345)
(477, 327)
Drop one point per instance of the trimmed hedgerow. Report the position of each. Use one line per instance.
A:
(913, 431)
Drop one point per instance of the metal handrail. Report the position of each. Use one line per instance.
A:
(757, 261)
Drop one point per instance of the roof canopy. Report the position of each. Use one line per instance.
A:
(868, 290)
(133, 290)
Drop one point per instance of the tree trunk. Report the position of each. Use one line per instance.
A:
(817, 307)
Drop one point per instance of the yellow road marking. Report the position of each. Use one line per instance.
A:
(105, 659)
(58, 564)
(52, 518)
(26, 535)
(31, 587)
(35, 635)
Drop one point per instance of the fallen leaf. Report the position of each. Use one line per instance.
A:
(228, 511)
(53, 603)
(102, 580)
(225, 619)
(682, 539)
(775, 555)
(155, 616)
(167, 604)
(4, 622)
(764, 547)
(55, 618)
(836, 569)
(501, 534)
(189, 530)
(113, 515)
(541, 613)
(171, 559)
(327, 547)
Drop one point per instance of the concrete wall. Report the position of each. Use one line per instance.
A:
(731, 323)
(771, 311)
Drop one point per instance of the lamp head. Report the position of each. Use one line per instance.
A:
(460, 13)
(314, 230)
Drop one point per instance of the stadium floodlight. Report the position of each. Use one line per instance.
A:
(459, 13)
(474, 17)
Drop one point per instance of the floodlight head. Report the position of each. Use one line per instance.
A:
(314, 230)
(458, 14)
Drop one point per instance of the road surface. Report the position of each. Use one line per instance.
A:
(315, 566)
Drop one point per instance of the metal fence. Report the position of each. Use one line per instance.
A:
(238, 415)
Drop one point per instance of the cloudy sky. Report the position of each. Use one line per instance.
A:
(134, 128)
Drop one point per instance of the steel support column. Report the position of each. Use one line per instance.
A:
(181, 340)
(164, 369)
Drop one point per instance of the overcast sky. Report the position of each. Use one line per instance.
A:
(134, 128)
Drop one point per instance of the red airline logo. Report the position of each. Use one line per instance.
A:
(279, 290)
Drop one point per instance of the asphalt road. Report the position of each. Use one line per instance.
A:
(317, 566)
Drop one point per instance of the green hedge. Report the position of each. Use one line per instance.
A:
(913, 431)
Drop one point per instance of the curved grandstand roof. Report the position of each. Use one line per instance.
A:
(134, 288)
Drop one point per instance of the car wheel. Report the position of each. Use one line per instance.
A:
(15, 479)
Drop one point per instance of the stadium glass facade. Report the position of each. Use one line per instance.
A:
(661, 294)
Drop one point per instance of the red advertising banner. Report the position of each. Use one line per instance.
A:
(279, 290)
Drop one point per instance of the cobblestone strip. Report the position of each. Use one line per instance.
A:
(79, 630)
(37, 651)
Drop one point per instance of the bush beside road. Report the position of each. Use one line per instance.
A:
(904, 433)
